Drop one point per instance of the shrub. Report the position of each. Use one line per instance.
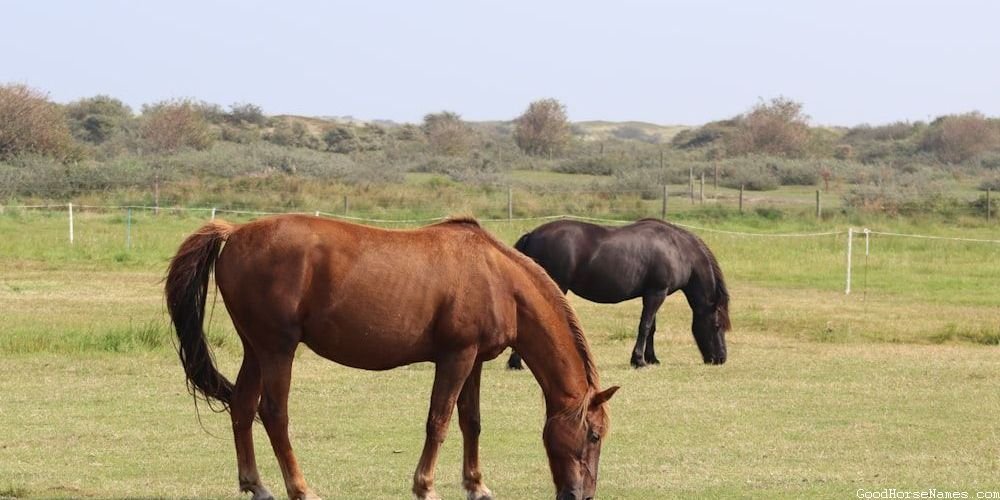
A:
(97, 119)
(775, 128)
(171, 125)
(30, 124)
(599, 165)
(447, 134)
(543, 128)
(957, 138)
(246, 113)
(898, 192)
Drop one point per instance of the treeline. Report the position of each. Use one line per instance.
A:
(99, 143)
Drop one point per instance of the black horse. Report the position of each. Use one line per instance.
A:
(650, 259)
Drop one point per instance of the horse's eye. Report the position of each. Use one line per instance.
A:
(594, 437)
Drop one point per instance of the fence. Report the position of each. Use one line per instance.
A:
(211, 213)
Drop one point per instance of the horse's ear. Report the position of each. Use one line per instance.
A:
(603, 396)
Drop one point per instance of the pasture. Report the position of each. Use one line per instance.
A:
(893, 386)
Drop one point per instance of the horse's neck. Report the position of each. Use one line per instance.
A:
(547, 345)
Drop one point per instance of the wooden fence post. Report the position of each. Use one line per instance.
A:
(702, 191)
(510, 203)
(741, 198)
(819, 208)
(70, 223)
(663, 211)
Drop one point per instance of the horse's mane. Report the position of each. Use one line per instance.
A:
(552, 292)
(721, 292)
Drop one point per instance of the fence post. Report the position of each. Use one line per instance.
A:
(741, 198)
(691, 183)
(850, 241)
(346, 206)
(702, 190)
(70, 223)
(213, 213)
(156, 195)
(715, 187)
(128, 230)
(989, 208)
(317, 213)
(663, 211)
(819, 209)
(510, 203)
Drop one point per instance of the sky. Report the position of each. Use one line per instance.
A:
(667, 62)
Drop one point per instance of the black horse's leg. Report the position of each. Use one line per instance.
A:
(650, 352)
(514, 362)
(650, 304)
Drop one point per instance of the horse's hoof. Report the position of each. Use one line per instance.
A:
(652, 361)
(483, 493)
(514, 367)
(638, 363)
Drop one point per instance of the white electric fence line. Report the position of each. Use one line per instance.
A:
(925, 237)
(214, 211)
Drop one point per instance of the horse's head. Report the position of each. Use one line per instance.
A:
(709, 329)
(574, 448)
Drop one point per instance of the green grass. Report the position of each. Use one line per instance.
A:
(893, 386)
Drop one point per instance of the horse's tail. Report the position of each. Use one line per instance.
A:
(522, 243)
(186, 290)
(721, 295)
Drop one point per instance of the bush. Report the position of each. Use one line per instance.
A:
(98, 119)
(246, 113)
(599, 165)
(899, 192)
(30, 124)
(447, 134)
(543, 128)
(957, 138)
(776, 128)
(171, 125)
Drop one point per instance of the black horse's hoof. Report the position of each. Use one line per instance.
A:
(652, 361)
(515, 366)
(639, 363)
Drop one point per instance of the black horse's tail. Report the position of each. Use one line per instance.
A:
(186, 290)
(522, 243)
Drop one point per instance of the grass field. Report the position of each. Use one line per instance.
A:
(893, 386)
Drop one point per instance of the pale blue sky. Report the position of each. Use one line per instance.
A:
(665, 62)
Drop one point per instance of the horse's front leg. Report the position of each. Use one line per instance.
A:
(450, 374)
(468, 420)
(650, 304)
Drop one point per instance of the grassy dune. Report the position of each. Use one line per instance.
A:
(893, 386)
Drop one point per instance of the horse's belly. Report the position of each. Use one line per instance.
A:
(369, 347)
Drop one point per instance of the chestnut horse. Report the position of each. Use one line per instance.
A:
(376, 299)
(650, 259)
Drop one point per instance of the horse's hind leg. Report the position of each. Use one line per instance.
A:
(468, 420)
(243, 408)
(650, 351)
(450, 374)
(650, 304)
(276, 372)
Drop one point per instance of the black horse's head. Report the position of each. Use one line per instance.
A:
(709, 329)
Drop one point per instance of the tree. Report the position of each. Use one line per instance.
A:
(97, 119)
(31, 124)
(171, 125)
(543, 128)
(447, 134)
(957, 138)
(777, 128)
